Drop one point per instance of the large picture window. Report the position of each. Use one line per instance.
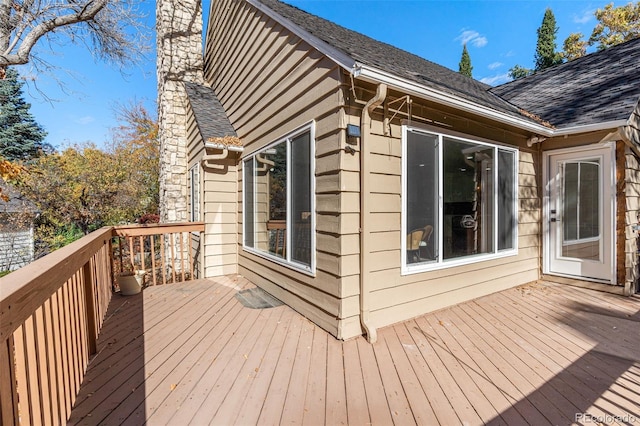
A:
(460, 200)
(278, 201)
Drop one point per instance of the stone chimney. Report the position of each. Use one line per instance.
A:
(179, 50)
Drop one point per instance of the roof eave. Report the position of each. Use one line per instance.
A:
(594, 127)
(375, 75)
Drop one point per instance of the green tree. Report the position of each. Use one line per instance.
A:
(546, 55)
(21, 137)
(518, 71)
(574, 47)
(84, 187)
(615, 25)
(464, 67)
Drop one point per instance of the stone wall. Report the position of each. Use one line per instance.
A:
(179, 50)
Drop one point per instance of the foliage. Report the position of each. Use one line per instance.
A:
(8, 172)
(518, 71)
(615, 25)
(464, 67)
(112, 29)
(136, 145)
(84, 188)
(21, 137)
(546, 55)
(574, 47)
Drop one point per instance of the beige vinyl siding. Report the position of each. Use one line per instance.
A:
(217, 254)
(631, 218)
(16, 248)
(632, 207)
(271, 83)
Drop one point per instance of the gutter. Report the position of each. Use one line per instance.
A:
(377, 76)
(214, 157)
(365, 211)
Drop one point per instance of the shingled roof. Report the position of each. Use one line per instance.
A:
(210, 116)
(367, 51)
(597, 88)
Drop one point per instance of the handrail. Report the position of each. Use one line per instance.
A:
(27, 288)
(51, 312)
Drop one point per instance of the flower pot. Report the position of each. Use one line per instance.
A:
(131, 284)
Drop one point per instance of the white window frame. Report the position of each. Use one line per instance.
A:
(440, 263)
(287, 262)
(194, 193)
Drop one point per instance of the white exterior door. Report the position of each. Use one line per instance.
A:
(579, 214)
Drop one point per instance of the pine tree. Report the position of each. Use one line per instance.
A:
(465, 67)
(546, 55)
(21, 137)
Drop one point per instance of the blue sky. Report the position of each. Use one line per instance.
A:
(499, 34)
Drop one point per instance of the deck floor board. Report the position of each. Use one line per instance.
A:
(193, 354)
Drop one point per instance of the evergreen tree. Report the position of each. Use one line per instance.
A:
(465, 67)
(546, 55)
(21, 137)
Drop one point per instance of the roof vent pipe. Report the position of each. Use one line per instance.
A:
(365, 210)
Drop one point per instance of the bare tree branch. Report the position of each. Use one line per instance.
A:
(112, 28)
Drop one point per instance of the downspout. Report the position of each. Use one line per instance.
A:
(213, 157)
(365, 211)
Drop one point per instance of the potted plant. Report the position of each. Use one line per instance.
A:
(131, 281)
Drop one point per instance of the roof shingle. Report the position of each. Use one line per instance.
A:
(597, 88)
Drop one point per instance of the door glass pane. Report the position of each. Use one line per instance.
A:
(301, 199)
(468, 198)
(581, 212)
(422, 197)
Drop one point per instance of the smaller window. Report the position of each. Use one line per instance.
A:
(278, 201)
(194, 183)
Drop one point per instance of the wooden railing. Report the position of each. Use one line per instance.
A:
(167, 252)
(52, 310)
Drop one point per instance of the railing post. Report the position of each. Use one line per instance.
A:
(90, 301)
(8, 391)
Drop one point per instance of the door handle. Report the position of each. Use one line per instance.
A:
(553, 219)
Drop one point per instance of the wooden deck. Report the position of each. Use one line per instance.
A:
(192, 354)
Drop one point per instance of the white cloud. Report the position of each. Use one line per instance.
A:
(495, 65)
(586, 16)
(472, 37)
(85, 120)
(496, 79)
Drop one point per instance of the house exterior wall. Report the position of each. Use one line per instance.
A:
(270, 83)
(631, 236)
(396, 297)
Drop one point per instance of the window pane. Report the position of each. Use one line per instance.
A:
(271, 190)
(248, 208)
(468, 198)
(506, 194)
(301, 199)
(422, 197)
